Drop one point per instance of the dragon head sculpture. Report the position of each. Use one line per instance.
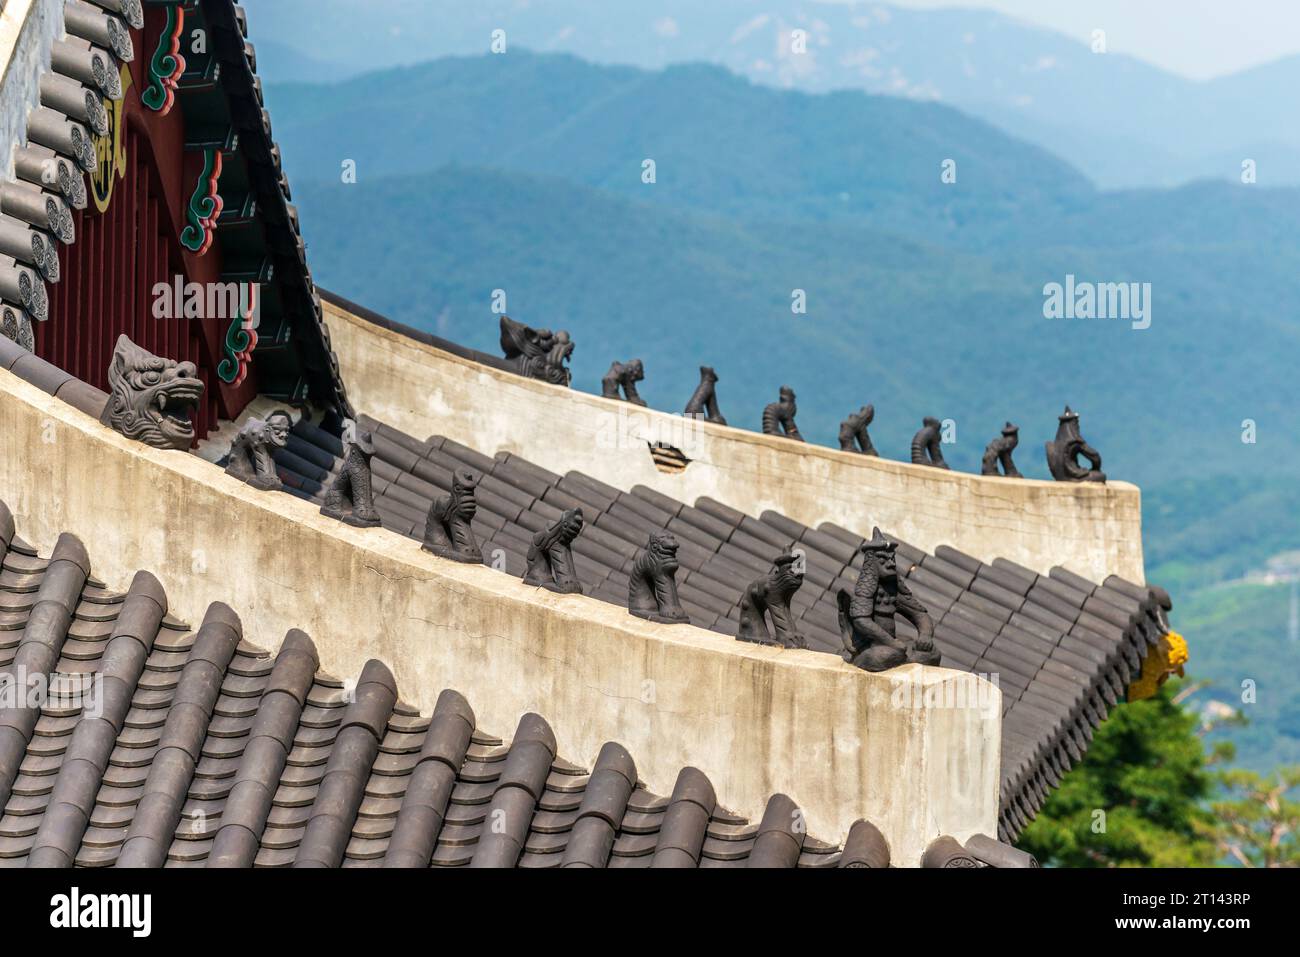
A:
(151, 398)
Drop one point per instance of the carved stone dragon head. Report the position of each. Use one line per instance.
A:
(151, 398)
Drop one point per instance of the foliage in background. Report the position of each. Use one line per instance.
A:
(1148, 772)
(1239, 645)
(1258, 821)
(1150, 794)
(1202, 530)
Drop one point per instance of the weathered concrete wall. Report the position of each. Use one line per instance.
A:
(1093, 530)
(756, 720)
(28, 28)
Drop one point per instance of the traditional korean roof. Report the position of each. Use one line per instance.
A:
(204, 750)
(162, 744)
(220, 96)
(1063, 649)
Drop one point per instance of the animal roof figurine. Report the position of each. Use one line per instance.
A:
(1063, 452)
(250, 453)
(926, 444)
(867, 626)
(537, 353)
(550, 556)
(350, 498)
(704, 401)
(652, 582)
(999, 452)
(853, 432)
(770, 596)
(625, 376)
(447, 529)
(778, 417)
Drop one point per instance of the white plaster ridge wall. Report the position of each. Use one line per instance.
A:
(1093, 530)
(757, 720)
(28, 29)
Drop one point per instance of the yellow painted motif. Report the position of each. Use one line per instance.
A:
(109, 150)
(1167, 658)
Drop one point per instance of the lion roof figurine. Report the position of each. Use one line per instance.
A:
(652, 581)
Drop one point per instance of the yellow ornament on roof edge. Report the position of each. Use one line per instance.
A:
(1165, 659)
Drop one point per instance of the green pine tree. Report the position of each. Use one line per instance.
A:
(1138, 799)
(1260, 817)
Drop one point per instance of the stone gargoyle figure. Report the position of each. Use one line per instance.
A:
(623, 375)
(998, 452)
(652, 583)
(926, 444)
(1063, 452)
(150, 398)
(537, 353)
(867, 625)
(251, 453)
(349, 498)
(778, 417)
(853, 432)
(550, 556)
(771, 596)
(704, 401)
(447, 530)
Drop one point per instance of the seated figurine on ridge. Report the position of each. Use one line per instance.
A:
(550, 556)
(867, 626)
(853, 432)
(1063, 452)
(926, 444)
(625, 375)
(251, 453)
(770, 596)
(705, 399)
(999, 452)
(349, 497)
(652, 583)
(447, 529)
(778, 417)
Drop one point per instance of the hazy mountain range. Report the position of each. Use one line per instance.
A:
(1120, 121)
(524, 173)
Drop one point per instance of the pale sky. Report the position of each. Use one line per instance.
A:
(1196, 38)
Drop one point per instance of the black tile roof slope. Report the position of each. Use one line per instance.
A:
(50, 379)
(197, 749)
(1063, 649)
